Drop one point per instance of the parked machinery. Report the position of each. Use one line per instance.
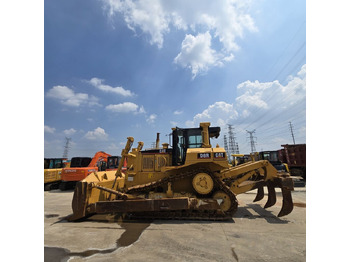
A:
(190, 180)
(295, 157)
(273, 158)
(52, 172)
(81, 167)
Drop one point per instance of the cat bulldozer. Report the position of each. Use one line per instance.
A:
(190, 180)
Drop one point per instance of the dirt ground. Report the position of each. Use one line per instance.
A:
(253, 234)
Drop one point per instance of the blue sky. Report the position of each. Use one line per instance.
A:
(114, 69)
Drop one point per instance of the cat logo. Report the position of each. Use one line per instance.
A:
(219, 155)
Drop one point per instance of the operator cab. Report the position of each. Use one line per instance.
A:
(80, 161)
(51, 163)
(272, 157)
(184, 138)
(113, 162)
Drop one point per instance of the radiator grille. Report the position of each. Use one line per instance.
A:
(148, 162)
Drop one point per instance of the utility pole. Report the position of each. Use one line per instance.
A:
(66, 147)
(291, 130)
(252, 142)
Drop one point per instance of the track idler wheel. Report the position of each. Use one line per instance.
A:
(223, 199)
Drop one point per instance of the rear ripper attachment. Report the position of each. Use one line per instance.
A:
(190, 180)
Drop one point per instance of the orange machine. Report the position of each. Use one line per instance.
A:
(81, 167)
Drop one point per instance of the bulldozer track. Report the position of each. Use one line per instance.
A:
(186, 214)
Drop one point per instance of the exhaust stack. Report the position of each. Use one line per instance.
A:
(157, 141)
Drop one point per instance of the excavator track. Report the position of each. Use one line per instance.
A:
(211, 215)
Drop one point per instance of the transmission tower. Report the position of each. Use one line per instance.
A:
(252, 142)
(66, 147)
(233, 145)
(226, 147)
(291, 130)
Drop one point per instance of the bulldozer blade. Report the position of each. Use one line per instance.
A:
(271, 200)
(260, 194)
(287, 205)
(79, 202)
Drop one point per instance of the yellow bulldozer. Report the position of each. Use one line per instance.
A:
(189, 180)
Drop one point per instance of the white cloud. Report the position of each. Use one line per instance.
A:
(151, 119)
(50, 130)
(142, 110)
(126, 107)
(98, 83)
(226, 21)
(252, 95)
(69, 98)
(97, 134)
(69, 132)
(178, 112)
(272, 95)
(267, 107)
(197, 54)
(219, 114)
(255, 100)
(148, 15)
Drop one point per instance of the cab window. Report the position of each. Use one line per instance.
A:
(195, 141)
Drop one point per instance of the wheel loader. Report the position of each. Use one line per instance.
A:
(189, 180)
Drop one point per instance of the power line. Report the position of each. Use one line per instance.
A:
(289, 43)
